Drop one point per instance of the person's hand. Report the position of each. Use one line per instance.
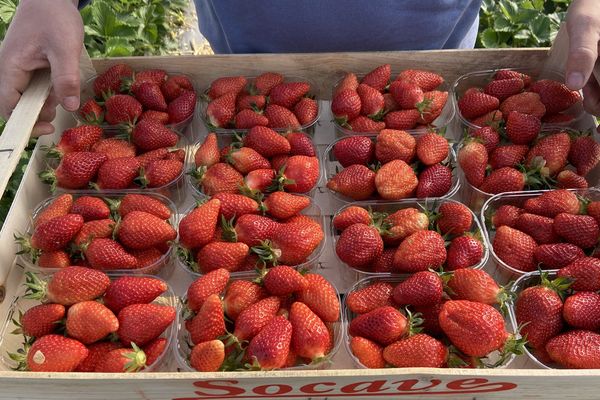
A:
(43, 33)
(583, 25)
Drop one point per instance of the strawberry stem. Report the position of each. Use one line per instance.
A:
(36, 289)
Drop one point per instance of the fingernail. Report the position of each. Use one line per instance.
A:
(71, 103)
(575, 80)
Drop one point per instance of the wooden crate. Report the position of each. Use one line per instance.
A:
(341, 381)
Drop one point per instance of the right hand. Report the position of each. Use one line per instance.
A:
(42, 34)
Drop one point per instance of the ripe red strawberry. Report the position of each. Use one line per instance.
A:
(259, 179)
(454, 218)
(584, 272)
(153, 155)
(208, 152)
(389, 104)
(492, 119)
(432, 148)
(75, 170)
(568, 179)
(310, 336)
(220, 111)
(175, 85)
(151, 135)
(293, 242)
(208, 356)
(365, 124)
(429, 315)
(182, 107)
(97, 352)
(154, 350)
(220, 177)
(395, 180)
(406, 94)
(538, 227)
(54, 259)
(522, 128)
(476, 104)
(424, 288)
(575, 349)
(55, 353)
(582, 310)
(356, 181)
(593, 209)
(122, 108)
(369, 353)
(350, 216)
(320, 296)
(122, 360)
(215, 255)
(552, 203)
(349, 81)
(379, 77)
(507, 215)
(300, 175)
(505, 179)
(114, 148)
(420, 350)
(515, 248)
(283, 280)
(41, 320)
(288, 94)
(402, 119)
(148, 257)
(112, 79)
(504, 88)
(375, 295)
(150, 96)
(395, 145)
(270, 347)
(118, 173)
(128, 290)
(226, 84)
(580, 230)
(281, 118)
(346, 106)
(255, 229)
(251, 102)
(384, 325)
(102, 228)
(464, 252)
(283, 205)
(160, 173)
(107, 254)
(584, 154)
(306, 110)
(488, 136)
(420, 251)
(555, 96)
(60, 206)
(209, 322)
(404, 223)
(233, 205)
(371, 100)
(509, 74)
(211, 283)
(473, 159)
(354, 150)
(151, 75)
(246, 159)
(553, 149)
(80, 138)
(475, 285)
(557, 255)
(476, 329)
(255, 317)
(247, 119)
(138, 202)
(426, 80)
(266, 142)
(141, 230)
(90, 321)
(56, 233)
(359, 245)
(240, 295)
(524, 103)
(538, 310)
(198, 227)
(142, 323)
(90, 208)
(300, 145)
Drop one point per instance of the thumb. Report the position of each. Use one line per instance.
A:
(64, 65)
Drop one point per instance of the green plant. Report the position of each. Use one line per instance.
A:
(528, 23)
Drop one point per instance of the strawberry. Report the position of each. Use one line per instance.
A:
(197, 228)
(351, 215)
(142, 323)
(281, 118)
(356, 182)
(122, 360)
(266, 142)
(365, 124)
(112, 79)
(288, 94)
(55, 353)
(432, 148)
(41, 320)
(97, 351)
(538, 227)
(75, 170)
(160, 173)
(505, 179)
(220, 111)
(220, 177)
(151, 135)
(211, 283)
(434, 181)
(215, 255)
(476, 104)
(420, 350)
(359, 245)
(354, 150)
(371, 100)
(492, 119)
(538, 310)
(557, 255)
(509, 74)
(402, 119)
(79, 138)
(54, 259)
(283, 205)
(208, 152)
(310, 336)
(247, 119)
(369, 353)
(118, 173)
(476, 329)
(255, 317)
(432, 104)
(584, 272)
(208, 356)
(128, 290)
(141, 230)
(476, 285)
(279, 162)
(149, 257)
(154, 350)
(306, 110)
(259, 179)
(227, 84)
(114, 148)
(507, 215)
(555, 96)
(488, 136)
(346, 106)
(584, 154)
(182, 107)
(503, 88)
(575, 349)
(150, 96)
(90, 208)
(582, 310)
(241, 294)
(300, 145)
(429, 315)
(473, 159)
(515, 248)
(138, 202)
(384, 325)
(580, 230)
(122, 108)
(454, 218)
(175, 85)
(107, 254)
(69, 286)
(424, 288)
(522, 128)
(270, 347)
(157, 76)
(395, 180)
(379, 77)
(300, 174)
(420, 251)
(524, 103)
(389, 104)
(101, 228)
(375, 295)
(349, 81)
(153, 155)
(56, 233)
(568, 179)
(426, 80)
(251, 102)
(90, 321)
(254, 229)
(464, 252)
(209, 322)
(321, 297)
(293, 242)
(553, 149)
(552, 203)
(395, 145)
(283, 280)
(404, 223)
(593, 209)
(60, 206)
(233, 205)
(406, 94)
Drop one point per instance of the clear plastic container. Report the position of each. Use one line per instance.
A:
(223, 140)
(160, 266)
(87, 93)
(331, 167)
(517, 199)
(10, 343)
(482, 78)
(184, 344)
(313, 211)
(394, 280)
(307, 128)
(429, 205)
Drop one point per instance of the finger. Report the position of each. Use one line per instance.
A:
(8, 101)
(583, 46)
(42, 128)
(64, 66)
(591, 97)
(48, 111)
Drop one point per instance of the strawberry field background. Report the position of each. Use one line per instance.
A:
(121, 28)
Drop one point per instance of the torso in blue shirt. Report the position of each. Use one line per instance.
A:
(285, 26)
